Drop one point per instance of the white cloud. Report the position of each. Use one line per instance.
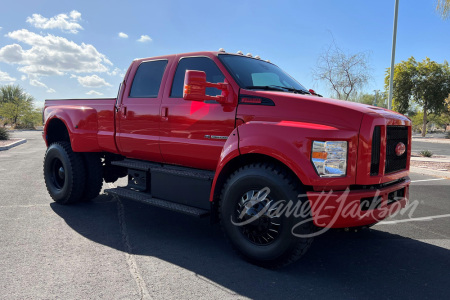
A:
(75, 15)
(67, 23)
(91, 81)
(144, 38)
(52, 55)
(92, 92)
(123, 35)
(35, 82)
(23, 77)
(115, 72)
(4, 77)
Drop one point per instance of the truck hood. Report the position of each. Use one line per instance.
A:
(340, 114)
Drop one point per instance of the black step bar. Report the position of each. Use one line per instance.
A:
(148, 199)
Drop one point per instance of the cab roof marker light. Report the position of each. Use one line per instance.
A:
(240, 52)
(257, 57)
(268, 61)
(222, 50)
(249, 54)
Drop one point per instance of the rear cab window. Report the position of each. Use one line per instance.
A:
(148, 78)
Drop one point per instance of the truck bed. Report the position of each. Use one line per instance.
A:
(91, 122)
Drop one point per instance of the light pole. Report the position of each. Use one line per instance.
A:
(394, 39)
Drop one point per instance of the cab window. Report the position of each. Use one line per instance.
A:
(205, 64)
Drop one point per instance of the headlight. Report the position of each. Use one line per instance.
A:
(330, 158)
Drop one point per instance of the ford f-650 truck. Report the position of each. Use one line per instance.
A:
(235, 138)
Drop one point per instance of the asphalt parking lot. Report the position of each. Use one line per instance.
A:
(111, 249)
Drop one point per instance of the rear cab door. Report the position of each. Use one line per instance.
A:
(138, 112)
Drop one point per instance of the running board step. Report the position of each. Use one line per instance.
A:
(146, 198)
(135, 164)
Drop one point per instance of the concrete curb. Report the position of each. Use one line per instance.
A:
(431, 140)
(17, 143)
(435, 173)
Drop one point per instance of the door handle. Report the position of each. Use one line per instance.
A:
(164, 113)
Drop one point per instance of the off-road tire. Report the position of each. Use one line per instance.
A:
(64, 173)
(286, 248)
(94, 176)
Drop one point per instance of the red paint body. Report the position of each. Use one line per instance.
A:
(172, 130)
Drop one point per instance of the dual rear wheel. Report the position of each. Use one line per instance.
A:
(72, 177)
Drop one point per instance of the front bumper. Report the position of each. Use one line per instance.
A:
(361, 207)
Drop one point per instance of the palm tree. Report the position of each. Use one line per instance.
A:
(443, 8)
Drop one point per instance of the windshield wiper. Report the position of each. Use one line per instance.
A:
(266, 87)
(277, 88)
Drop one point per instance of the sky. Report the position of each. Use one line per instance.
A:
(81, 49)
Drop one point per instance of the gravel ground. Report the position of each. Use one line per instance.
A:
(431, 165)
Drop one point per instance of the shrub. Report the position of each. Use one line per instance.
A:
(4, 134)
(447, 135)
(426, 153)
(23, 126)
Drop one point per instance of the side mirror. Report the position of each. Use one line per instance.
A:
(195, 85)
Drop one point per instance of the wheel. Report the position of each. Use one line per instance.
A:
(64, 173)
(247, 216)
(94, 176)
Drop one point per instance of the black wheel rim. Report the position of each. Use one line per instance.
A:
(58, 173)
(264, 229)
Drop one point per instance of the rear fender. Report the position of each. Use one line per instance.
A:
(81, 124)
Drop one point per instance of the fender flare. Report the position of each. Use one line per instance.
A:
(81, 124)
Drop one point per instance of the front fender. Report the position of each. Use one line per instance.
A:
(290, 143)
(229, 151)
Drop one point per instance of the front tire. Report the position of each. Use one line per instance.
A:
(64, 173)
(264, 239)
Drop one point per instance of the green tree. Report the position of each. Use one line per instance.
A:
(442, 120)
(377, 99)
(443, 8)
(424, 83)
(15, 103)
(31, 118)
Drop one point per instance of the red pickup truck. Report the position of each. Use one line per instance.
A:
(235, 138)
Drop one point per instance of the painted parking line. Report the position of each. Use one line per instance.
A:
(430, 218)
(423, 180)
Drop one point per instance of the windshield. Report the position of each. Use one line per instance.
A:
(259, 74)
